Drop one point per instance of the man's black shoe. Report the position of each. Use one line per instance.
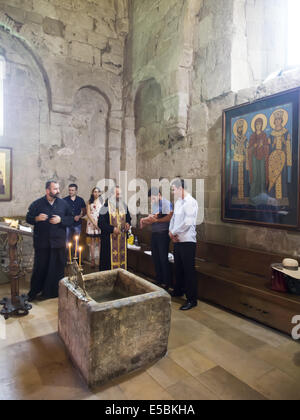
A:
(31, 298)
(188, 306)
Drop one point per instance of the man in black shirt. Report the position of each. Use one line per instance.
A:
(50, 216)
(78, 208)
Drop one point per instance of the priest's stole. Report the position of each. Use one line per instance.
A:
(118, 243)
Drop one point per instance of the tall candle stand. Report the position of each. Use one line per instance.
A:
(75, 274)
(17, 304)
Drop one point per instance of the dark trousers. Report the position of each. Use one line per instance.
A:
(184, 258)
(105, 253)
(160, 243)
(48, 270)
(71, 232)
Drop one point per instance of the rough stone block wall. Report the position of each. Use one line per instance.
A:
(159, 58)
(266, 28)
(232, 54)
(83, 99)
(63, 93)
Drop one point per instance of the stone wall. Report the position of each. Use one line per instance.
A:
(232, 47)
(78, 108)
(266, 37)
(158, 65)
(63, 93)
(193, 52)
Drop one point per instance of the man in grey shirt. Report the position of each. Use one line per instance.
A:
(162, 212)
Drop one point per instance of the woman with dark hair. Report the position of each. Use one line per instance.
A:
(92, 230)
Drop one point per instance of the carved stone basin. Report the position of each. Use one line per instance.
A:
(121, 326)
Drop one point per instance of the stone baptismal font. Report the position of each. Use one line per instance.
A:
(113, 323)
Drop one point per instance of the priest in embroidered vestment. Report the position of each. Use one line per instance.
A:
(114, 222)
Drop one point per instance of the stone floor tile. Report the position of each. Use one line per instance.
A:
(191, 360)
(226, 331)
(227, 386)
(141, 386)
(191, 389)
(280, 360)
(166, 372)
(277, 385)
(212, 354)
(235, 360)
(252, 328)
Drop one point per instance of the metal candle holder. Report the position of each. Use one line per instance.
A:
(17, 304)
(75, 274)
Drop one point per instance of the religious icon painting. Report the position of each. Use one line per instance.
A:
(5, 174)
(260, 182)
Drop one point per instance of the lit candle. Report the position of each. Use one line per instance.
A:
(80, 251)
(76, 245)
(70, 252)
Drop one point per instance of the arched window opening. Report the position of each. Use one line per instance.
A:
(293, 33)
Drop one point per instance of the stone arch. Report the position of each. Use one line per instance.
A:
(27, 104)
(25, 39)
(83, 152)
(113, 124)
(147, 105)
(105, 110)
(150, 131)
(90, 80)
(16, 52)
(149, 73)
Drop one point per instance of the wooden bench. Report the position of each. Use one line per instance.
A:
(235, 278)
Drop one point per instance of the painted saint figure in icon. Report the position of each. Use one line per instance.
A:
(239, 166)
(280, 160)
(258, 157)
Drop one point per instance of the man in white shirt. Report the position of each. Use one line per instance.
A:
(183, 234)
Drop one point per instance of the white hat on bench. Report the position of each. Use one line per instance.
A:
(289, 267)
